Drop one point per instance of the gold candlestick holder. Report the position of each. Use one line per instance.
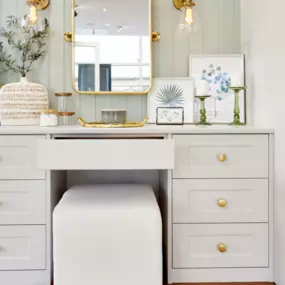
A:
(237, 121)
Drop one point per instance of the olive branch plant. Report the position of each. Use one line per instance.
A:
(27, 42)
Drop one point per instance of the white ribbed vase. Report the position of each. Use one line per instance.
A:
(22, 102)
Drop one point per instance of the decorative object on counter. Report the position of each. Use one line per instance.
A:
(113, 116)
(171, 92)
(66, 118)
(170, 116)
(49, 118)
(203, 112)
(21, 103)
(110, 126)
(190, 21)
(201, 94)
(237, 121)
(62, 101)
(220, 71)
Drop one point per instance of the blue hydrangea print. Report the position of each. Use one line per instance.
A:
(219, 80)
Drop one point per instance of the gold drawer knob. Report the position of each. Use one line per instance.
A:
(222, 247)
(222, 203)
(222, 157)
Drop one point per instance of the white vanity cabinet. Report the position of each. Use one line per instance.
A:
(222, 205)
(216, 195)
(23, 204)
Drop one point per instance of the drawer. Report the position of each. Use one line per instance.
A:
(106, 154)
(22, 248)
(22, 202)
(221, 156)
(220, 200)
(18, 157)
(202, 246)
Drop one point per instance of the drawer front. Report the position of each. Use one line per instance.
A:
(106, 154)
(221, 156)
(18, 157)
(201, 246)
(22, 248)
(220, 200)
(22, 202)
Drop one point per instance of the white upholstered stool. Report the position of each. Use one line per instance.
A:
(107, 235)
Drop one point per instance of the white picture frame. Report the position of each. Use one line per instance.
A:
(220, 106)
(184, 84)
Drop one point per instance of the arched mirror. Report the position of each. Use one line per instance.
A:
(112, 46)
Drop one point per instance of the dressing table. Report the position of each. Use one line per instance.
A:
(215, 190)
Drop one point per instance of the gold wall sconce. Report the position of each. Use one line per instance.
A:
(32, 18)
(155, 37)
(190, 18)
(42, 4)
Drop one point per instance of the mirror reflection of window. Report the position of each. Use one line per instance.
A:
(127, 69)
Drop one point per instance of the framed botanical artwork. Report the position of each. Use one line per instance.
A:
(171, 92)
(170, 116)
(220, 71)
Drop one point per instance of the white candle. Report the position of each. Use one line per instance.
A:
(202, 88)
(236, 81)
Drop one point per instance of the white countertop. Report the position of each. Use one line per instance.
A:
(147, 129)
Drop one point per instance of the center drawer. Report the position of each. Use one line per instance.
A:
(106, 154)
(221, 156)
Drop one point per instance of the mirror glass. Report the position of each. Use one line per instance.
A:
(112, 46)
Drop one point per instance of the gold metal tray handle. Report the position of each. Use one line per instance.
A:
(222, 247)
(110, 126)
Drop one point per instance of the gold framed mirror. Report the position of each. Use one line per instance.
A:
(112, 47)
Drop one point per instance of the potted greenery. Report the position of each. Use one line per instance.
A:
(21, 102)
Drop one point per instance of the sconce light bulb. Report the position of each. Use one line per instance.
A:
(33, 15)
(189, 16)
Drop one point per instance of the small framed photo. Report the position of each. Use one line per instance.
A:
(170, 116)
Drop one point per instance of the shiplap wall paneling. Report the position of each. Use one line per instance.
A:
(219, 33)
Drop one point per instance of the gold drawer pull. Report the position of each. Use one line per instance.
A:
(222, 157)
(222, 203)
(222, 247)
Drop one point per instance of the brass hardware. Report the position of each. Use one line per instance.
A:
(156, 37)
(68, 37)
(222, 203)
(222, 247)
(110, 126)
(43, 4)
(67, 114)
(222, 157)
(178, 4)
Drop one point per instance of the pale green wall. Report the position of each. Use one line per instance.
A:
(220, 34)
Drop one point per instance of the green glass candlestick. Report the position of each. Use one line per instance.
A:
(237, 121)
(203, 112)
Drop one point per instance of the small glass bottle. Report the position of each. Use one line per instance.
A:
(62, 101)
(66, 118)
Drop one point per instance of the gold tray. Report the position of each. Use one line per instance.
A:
(110, 126)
